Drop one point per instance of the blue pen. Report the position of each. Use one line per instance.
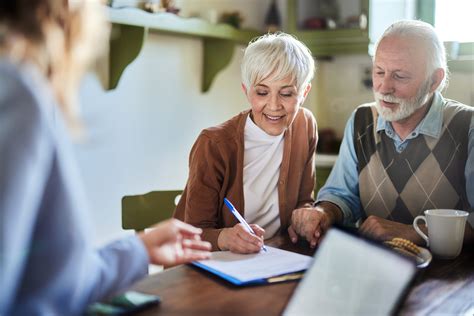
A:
(240, 219)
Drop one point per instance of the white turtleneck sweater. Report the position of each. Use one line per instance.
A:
(262, 159)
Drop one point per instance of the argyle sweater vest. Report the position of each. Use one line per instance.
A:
(427, 174)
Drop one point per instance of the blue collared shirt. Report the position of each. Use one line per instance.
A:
(342, 186)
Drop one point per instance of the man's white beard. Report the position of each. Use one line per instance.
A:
(406, 107)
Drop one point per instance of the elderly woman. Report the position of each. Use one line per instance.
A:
(262, 159)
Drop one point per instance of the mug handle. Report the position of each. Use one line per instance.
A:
(418, 230)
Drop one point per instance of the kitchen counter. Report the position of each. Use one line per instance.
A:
(325, 160)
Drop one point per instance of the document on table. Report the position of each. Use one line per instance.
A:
(245, 269)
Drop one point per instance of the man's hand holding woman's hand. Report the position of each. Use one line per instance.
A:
(237, 239)
(312, 223)
(173, 242)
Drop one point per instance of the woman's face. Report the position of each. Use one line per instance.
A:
(275, 104)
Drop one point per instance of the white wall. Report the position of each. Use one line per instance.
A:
(140, 134)
(461, 87)
(339, 89)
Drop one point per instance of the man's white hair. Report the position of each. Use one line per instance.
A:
(278, 56)
(426, 34)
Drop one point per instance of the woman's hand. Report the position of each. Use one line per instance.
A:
(237, 239)
(173, 242)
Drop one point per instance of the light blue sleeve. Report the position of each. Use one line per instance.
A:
(48, 264)
(25, 160)
(342, 186)
(469, 172)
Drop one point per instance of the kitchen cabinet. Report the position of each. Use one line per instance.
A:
(330, 27)
(130, 27)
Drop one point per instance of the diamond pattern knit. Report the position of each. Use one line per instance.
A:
(427, 174)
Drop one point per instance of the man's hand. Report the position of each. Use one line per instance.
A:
(310, 223)
(313, 222)
(173, 242)
(237, 239)
(383, 229)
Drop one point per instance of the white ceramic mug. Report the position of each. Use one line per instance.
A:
(445, 231)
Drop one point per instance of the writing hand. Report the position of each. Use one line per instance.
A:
(239, 240)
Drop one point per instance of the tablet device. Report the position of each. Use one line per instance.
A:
(352, 276)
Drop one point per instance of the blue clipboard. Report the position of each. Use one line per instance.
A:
(271, 266)
(275, 279)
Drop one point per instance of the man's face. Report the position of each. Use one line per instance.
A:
(401, 85)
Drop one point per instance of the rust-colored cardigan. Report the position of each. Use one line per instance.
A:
(216, 171)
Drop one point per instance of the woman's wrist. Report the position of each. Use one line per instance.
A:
(221, 240)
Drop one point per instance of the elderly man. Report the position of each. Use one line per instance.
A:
(409, 151)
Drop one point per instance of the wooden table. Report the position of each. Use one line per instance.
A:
(444, 287)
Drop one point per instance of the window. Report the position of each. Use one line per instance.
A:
(453, 20)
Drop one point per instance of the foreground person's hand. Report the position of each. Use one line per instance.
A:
(173, 242)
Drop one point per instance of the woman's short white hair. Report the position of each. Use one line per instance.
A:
(278, 56)
(433, 46)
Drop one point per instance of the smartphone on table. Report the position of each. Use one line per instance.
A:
(124, 304)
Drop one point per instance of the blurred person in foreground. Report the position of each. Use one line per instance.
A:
(409, 151)
(47, 262)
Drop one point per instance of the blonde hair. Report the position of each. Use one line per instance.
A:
(278, 56)
(61, 38)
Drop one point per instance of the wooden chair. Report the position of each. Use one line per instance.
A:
(142, 211)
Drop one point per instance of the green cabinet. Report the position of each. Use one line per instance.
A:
(324, 165)
(322, 174)
(337, 36)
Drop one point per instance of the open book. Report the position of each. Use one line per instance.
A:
(274, 265)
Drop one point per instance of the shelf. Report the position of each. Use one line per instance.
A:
(464, 61)
(335, 42)
(329, 42)
(462, 64)
(131, 26)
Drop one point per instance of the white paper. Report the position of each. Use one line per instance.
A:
(262, 265)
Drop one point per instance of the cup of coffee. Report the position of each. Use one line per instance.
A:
(445, 231)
